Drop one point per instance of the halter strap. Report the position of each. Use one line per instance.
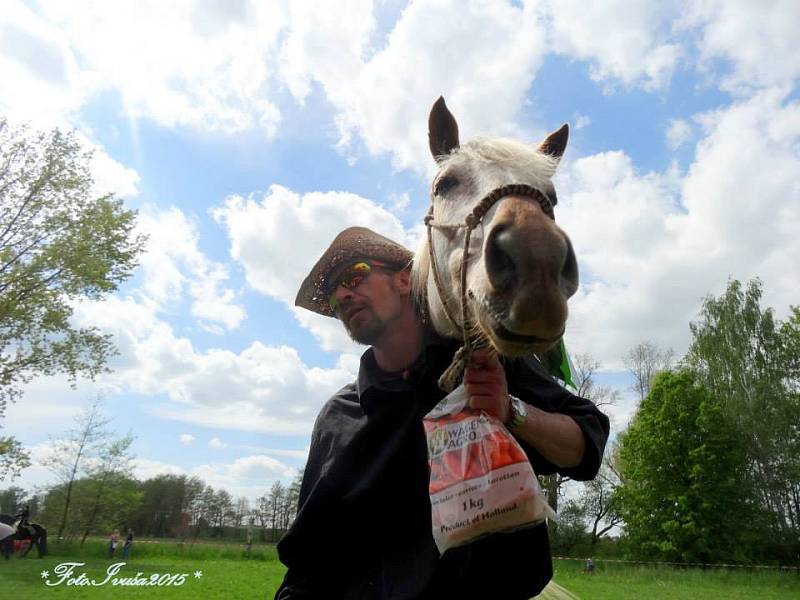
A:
(471, 221)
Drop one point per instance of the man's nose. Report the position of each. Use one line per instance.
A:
(341, 294)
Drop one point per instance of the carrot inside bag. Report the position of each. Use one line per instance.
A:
(481, 481)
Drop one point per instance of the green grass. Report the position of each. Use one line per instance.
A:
(229, 573)
(615, 581)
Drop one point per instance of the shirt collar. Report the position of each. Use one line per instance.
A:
(372, 383)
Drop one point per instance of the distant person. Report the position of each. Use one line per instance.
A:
(588, 567)
(22, 524)
(126, 547)
(112, 543)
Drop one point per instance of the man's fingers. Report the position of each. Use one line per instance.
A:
(485, 358)
(480, 376)
(481, 390)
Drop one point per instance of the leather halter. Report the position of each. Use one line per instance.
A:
(471, 221)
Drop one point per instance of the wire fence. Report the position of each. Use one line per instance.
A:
(683, 564)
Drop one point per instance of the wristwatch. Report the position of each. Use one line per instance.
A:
(517, 414)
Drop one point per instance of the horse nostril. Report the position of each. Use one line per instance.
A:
(500, 267)
(569, 272)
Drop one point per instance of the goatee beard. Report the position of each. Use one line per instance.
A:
(367, 333)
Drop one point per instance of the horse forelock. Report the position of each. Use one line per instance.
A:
(514, 161)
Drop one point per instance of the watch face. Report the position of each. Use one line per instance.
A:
(519, 407)
(518, 412)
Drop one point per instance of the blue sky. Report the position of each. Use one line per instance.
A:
(248, 134)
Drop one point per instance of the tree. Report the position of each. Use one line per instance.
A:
(119, 500)
(571, 530)
(600, 501)
(261, 514)
(242, 511)
(12, 499)
(68, 456)
(13, 458)
(169, 507)
(106, 482)
(750, 362)
(644, 361)
(684, 498)
(58, 244)
(293, 497)
(277, 498)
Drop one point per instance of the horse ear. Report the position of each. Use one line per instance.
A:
(442, 130)
(555, 143)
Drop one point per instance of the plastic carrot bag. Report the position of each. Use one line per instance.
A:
(481, 481)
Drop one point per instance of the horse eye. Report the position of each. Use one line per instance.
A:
(444, 184)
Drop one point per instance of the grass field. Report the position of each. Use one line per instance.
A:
(227, 572)
(613, 581)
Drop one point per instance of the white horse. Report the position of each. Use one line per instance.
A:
(495, 265)
(495, 268)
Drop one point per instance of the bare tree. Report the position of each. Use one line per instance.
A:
(644, 361)
(277, 498)
(599, 502)
(68, 455)
(586, 368)
(242, 510)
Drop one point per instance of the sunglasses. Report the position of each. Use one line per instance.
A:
(351, 278)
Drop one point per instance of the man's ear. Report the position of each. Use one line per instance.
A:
(402, 281)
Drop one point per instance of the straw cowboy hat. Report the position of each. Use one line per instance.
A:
(351, 245)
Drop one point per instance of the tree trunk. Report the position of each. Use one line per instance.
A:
(552, 485)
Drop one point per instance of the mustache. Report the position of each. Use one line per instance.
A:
(346, 308)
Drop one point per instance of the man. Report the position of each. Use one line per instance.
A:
(363, 527)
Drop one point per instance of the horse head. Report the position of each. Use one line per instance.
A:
(492, 212)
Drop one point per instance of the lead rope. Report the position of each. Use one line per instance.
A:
(462, 357)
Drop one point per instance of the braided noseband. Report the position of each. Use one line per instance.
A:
(473, 219)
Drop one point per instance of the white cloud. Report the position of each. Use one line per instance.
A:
(173, 265)
(315, 28)
(248, 476)
(296, 454)
(679, 131)
(262, 388)
(41, 78)
(399, 203)
(217, 444)
(199, 64)
(145, 468)
(651, 246)
(759, 40)
(260, 467)
(279, 238)
(623, 40)
(43, 85)
(481, 56)
(581, 121)
(186, 439)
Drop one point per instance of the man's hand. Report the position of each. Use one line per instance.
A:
(485, 382)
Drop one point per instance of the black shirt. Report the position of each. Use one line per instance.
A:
(363, 528)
